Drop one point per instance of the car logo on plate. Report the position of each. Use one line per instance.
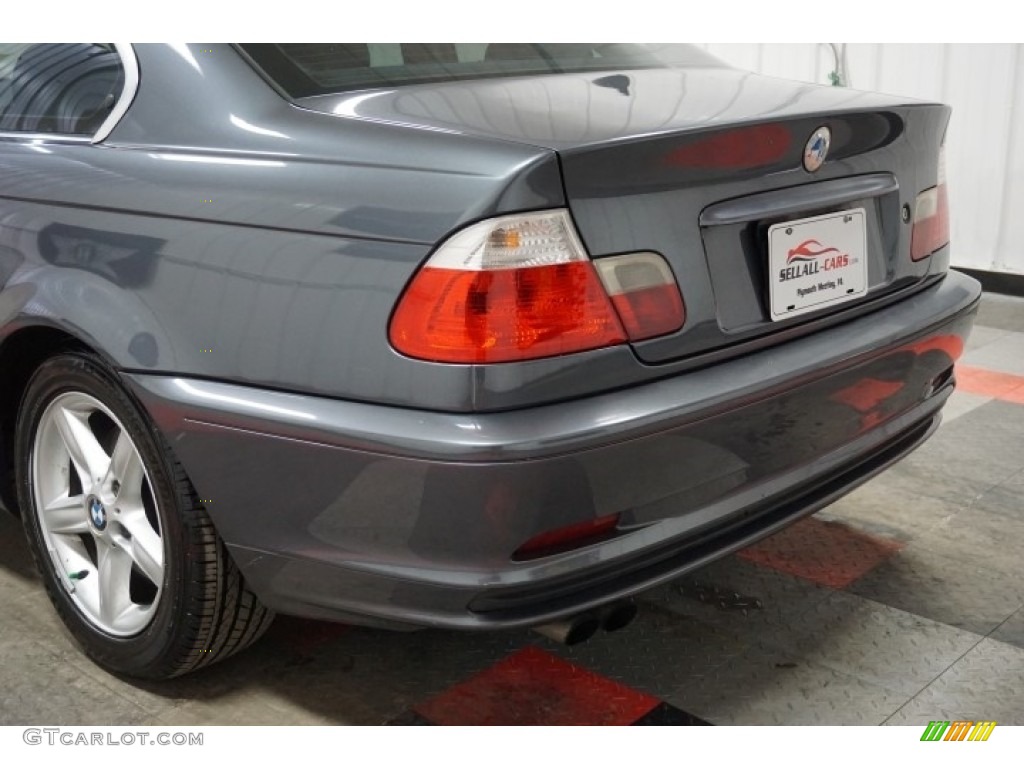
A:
(816, 149)
(808, 250)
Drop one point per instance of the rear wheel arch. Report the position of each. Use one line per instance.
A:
(21, 353)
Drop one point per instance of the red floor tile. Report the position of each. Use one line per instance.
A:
(532, 687)
(827, 553)
(981, 381)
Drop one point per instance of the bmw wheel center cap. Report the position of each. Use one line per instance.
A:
(98, 514)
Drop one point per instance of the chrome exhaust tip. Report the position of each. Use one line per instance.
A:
(583, 626)
(571, 631)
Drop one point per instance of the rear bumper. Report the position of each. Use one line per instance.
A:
(383, 515)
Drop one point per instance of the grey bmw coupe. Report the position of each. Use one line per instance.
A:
(444, 335)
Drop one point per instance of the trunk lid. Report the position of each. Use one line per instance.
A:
(697, 165)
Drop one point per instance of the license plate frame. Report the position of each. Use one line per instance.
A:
(817, 262)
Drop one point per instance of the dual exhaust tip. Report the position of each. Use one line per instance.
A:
(583, 626)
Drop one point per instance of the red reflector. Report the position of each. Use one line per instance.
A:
(650, 312)
(569, 537)
(501, 315)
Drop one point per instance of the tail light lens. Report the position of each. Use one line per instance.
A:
(931, 216)
(523, 287)
(644, 292)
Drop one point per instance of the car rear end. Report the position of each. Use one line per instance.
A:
(739, 310)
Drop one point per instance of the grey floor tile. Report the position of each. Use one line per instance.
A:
(767, 686)
(1016, 484)
(341, 675)
(982, 335)
(242, 708)
(33, 621)
(962, 594)
(348, 676)
(1012, 630)
(240, 690)
(369, 676)
(926, 473)
(739, 598)
(659, 652)
(39, 620)
(38, 686)
(1006, 498)
(960, 403)
(978, 536)
(886, 506)
(986, 684)
(19, 596)
(966, 457)
(919, 713)
(1004, 353)
(238, 677)
(874, 642)
(1000, 311)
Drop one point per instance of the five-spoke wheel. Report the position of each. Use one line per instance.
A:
(130, 558)
(97, 513)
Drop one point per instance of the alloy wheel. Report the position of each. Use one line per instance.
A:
(97, 514)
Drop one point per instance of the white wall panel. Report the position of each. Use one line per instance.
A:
(864, 60)
(907, 69)
(797, 62)
(1010, 251)
(984, 146)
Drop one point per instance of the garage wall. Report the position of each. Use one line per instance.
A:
(984, 146)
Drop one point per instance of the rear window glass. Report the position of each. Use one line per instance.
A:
(65, 88)
(311, 69)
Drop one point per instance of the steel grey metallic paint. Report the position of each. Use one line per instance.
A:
(237, 258)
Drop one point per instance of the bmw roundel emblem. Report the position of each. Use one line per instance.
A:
(98, 514)
(816, 149)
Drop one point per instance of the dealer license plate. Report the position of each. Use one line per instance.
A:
(817, 262)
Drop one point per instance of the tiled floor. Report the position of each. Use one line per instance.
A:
(902, 603)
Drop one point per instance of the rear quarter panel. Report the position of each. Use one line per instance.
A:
(222, 232)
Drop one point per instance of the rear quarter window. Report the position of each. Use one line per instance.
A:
(58, 88)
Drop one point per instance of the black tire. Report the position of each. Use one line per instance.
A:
(204, 611)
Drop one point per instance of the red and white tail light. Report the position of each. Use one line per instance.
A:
(931, 216)
(522, 287)
(644, 292)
